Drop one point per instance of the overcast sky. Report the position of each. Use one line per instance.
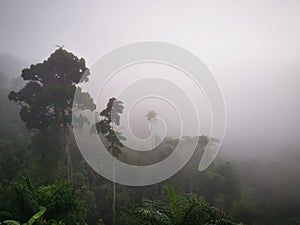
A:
(252, 48)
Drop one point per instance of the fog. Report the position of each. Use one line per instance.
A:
(53, 160)
(252, 49)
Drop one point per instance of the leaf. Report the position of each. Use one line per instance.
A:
(36, 216)
(11, 222)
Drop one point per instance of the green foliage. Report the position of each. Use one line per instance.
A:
(111, 117)
(255, 193)
(47, 98)
(62, 203)
(46, 105)
(36, 216)
(31, 221)
(11, 222)
(12, 158)
(244, 209)
(22, 199)
(178, 209)
(100, 222)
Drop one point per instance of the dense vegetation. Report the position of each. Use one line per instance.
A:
(44, 179)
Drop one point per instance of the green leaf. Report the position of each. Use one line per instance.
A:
(36, 216)
(11, 222)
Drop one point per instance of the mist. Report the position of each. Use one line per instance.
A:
(251, 48)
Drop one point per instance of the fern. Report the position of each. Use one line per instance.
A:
(179, 209)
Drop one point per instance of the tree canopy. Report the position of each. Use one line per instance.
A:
(47, 97)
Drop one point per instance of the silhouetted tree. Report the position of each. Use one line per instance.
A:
(47, 98)
(111, 118)
(151, 115)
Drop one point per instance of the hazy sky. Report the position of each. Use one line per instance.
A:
(252, 47)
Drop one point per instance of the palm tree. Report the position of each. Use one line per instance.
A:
(152, 118)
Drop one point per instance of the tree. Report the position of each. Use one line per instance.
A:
(111, 118)
(47, 98)
(151, 115)
(152, 118)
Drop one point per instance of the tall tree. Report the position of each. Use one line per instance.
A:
(47, 98)
(151, 116)
(110, 118)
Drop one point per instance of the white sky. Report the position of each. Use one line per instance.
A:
(252, 47)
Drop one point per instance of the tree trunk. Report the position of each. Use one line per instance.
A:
(68, 155)
(114, 195)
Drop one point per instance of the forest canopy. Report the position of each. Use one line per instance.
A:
(45, 180)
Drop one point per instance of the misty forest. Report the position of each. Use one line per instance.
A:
(45, 180)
